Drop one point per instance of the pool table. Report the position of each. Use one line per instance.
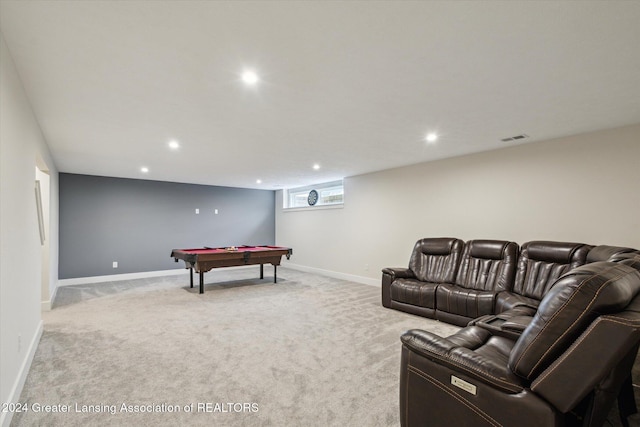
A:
(204, 259)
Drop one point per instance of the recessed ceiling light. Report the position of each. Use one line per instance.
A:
(174, 145)
(258, 181)
(144, 169)
(432, 137)
(250, 77)
(316, 166)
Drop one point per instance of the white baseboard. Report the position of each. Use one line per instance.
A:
(46, 305)
(116, 277)
(335, 274)
(18, 385)
(131, 276)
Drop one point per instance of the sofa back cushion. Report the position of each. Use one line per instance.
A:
(541, 262)
(606, 252)
(631, 259)
(436, 259)
(572, 304)
(488, 265)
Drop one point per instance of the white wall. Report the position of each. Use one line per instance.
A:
(21, 147)
(582, 188)
(48, 283)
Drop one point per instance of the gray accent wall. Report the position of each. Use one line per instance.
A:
(138, 222)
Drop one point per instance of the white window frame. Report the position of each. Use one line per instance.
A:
(324, 191)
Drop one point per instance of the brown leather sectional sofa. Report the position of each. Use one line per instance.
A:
(457, 282)
(556, 349)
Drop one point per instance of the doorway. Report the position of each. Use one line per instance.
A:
(43, 205)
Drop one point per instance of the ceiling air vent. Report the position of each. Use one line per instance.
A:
(515, 138)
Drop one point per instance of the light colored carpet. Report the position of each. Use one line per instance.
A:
(307, 351)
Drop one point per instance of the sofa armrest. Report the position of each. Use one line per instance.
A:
(517, 324)
(399, 273)
(456, 352)
(507, 301)
(388, 276)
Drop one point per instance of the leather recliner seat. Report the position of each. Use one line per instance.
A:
(539, 265)
(487, 268)
(433, 261)
(565, 369)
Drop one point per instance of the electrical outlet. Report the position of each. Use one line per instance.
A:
(215, 211)
(115, 264)
(366, 267)
(197, 211)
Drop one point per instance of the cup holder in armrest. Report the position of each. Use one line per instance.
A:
(517, 323)
(496, 321)
(507, 326)
(491, 323)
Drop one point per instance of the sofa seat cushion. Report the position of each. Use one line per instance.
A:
(414, 292)
(470, 303)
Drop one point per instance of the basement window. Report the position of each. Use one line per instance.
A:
(328, 194)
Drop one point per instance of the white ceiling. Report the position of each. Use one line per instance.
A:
(353, 86)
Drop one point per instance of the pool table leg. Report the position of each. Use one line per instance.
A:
(275, 269)
(202, 282)
(191, 277)
(262, 271)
